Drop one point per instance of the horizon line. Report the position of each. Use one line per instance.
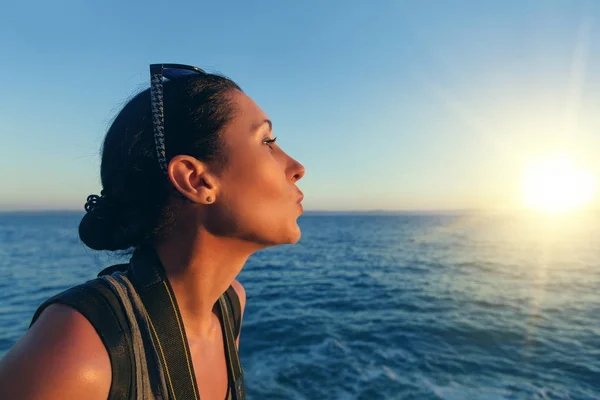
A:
(326, 211)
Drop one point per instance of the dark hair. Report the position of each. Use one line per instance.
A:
(135, 205)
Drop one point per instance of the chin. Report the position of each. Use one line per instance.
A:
(291, 236)
(296, 233)
(296, 237)
(276, 233)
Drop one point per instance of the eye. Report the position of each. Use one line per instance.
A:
(269, 141)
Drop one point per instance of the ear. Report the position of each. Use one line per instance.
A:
(193, 179)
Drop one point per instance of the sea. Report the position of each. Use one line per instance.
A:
(379, 305)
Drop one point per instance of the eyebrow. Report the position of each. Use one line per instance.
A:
(266, 121)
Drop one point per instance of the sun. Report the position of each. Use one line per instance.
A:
(557, 185)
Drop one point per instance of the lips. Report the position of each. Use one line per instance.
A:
(300, 197)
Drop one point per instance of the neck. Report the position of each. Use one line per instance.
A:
(200, 269)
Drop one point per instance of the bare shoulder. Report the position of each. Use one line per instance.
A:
(60, 356)
(241, 292)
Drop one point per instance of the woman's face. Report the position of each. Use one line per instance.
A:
(257, 194)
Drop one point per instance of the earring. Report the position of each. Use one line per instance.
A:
(209, 199)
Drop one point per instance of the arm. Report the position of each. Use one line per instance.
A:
(241, 292)
(60, 357)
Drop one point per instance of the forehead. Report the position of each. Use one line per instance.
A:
(248, 115)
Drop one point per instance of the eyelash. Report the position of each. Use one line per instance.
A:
(268, 142)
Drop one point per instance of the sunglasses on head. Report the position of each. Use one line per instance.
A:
(158, 72)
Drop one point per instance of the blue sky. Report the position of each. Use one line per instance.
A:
(396, 105)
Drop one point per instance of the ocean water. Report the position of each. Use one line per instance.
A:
(402, 306)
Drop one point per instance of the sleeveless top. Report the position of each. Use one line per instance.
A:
(134, 311)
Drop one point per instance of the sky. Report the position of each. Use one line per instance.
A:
(389, 105)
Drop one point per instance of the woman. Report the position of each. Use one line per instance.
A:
(193, 182)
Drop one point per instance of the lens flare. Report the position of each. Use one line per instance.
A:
(556, 185)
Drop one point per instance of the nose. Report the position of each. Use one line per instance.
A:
(297, 170)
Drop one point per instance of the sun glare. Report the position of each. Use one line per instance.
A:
(557, 185)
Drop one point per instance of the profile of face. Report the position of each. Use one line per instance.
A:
(255, 195)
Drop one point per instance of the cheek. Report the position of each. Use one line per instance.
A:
(261, 178)
(254, 191)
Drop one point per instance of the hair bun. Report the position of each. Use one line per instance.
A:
(109, 224)
(101, 227)
(93, 201)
